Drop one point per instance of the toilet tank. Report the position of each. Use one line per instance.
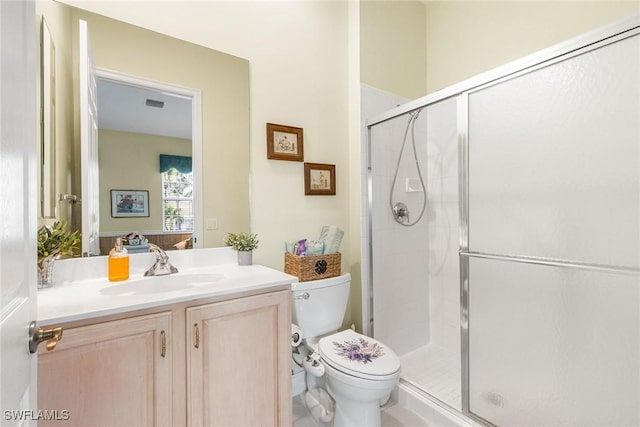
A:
(319, 305)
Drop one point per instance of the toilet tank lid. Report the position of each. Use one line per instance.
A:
(359, 355)
(322, 283)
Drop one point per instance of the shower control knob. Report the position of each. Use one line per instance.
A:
(400, 212)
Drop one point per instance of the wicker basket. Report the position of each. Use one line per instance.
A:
(317, 267)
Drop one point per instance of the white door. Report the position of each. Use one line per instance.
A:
(88, 147)
(18, 210)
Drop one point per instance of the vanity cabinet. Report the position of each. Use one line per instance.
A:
(239, 362)
(212, 362)
(115, 373)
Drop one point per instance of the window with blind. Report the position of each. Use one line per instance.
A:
(177, 193)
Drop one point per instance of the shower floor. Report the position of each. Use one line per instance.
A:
(435, 370)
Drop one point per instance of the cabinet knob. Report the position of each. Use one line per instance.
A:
(38, 335)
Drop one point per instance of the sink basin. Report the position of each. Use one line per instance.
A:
(160, 284)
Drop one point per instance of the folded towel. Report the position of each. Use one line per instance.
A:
(315, 247)
(290, 247)
(332, 238)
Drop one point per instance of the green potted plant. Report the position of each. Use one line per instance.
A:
(54, 241)
(244, 243)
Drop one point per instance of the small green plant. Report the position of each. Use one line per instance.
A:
(56, 239)
(241, 241)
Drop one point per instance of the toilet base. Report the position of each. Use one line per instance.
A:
(357, 400)
(356, 414)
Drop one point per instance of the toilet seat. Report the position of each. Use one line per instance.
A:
(359, 356)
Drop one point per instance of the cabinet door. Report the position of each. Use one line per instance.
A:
(110, 374)
(239, 363)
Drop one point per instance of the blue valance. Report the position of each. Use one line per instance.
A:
(181, 163)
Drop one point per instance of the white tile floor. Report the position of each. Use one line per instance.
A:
(301, 417)
(393, 415)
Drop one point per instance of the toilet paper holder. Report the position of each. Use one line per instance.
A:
(296, 335)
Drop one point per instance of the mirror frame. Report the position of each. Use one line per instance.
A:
(47, 123)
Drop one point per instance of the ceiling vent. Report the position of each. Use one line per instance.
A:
(155, 104)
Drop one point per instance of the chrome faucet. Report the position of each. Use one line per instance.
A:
(162, 266)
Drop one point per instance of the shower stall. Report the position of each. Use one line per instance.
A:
(502, 262)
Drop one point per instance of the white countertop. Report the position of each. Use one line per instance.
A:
(77, 297)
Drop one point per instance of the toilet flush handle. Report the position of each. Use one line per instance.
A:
(303, 296)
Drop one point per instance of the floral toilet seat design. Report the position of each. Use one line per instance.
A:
(359, 356)
(359, 350)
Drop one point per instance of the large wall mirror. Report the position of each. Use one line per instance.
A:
(136, 71)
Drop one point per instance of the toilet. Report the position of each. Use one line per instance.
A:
(357, 371)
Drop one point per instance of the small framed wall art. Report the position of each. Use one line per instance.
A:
(319, 179)
(129, 203)
(284, 143)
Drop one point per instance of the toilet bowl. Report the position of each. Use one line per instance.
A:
(357, 371)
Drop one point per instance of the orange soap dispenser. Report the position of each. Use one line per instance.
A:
(118, 262)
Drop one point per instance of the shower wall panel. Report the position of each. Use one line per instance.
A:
(554, 160)
(400, 275)
(416, 269)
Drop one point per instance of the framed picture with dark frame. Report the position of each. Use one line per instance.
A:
(129, 203)
(319, 179)
(284, 143)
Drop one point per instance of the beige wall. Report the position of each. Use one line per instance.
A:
(393, 46)
(465, 38)
(130, 161)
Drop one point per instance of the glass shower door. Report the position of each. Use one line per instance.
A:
(553, 255)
